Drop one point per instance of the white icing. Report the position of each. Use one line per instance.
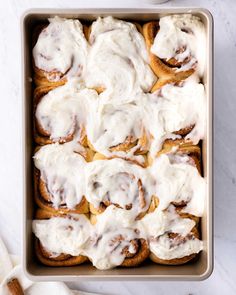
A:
(118, 60)
(69, 178)
(62, 169)
(63, 235)
(111, 125)
(163, 248)
(63, 110)
(176, 182)
(178, 31)
(106, 248)
(114, 230)
(112, 118)
(174, 107)
(118, 182)
(61, 47)
(158, 222)
(108, 125)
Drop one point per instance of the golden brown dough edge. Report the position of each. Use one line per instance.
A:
(41, 136)
(42, 198)
(176, 261)
(161, 69)
(139, 257)
(61, 260)
(43, 255)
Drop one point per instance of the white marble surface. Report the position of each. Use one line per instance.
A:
(223, 279)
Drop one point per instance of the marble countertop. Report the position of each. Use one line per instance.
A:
(223, 279)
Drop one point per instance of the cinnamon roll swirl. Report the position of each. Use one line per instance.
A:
(117, 242)
(176, 46)
(173, 239)
(60, 114)
(60, 52)
(117, 182)
(118, 131)
(179, 183)
(59, 178)
(168, 116)
(62, 223)
(118, 60)
(174, 249)
(191, 154)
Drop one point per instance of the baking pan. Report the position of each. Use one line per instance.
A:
(196, 270)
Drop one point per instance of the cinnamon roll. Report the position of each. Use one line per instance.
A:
(111, 241)
(59, 178)
(174, 249)
(176, 45)
(173, 239)
(117, 241)
(60, 114)
(117, 182)
(62, 223)
(180, 183)
(118, 60)
(176, 112)
(115, 238)
(118, 131)
(178, 152)
(60, 52)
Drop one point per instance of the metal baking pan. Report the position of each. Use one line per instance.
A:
(197, 270)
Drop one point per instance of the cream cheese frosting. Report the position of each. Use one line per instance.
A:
(174, 107)
(179, 182)
(118, 182)
(61, 47)
(61, 168)
(110, 121)
(111, 125)
(182, 37)
(165, 249)
(63, 235)
(118, 60)
(108, 125)
(115, 228)
(63, 110)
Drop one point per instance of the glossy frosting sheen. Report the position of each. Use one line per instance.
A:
(61, 47)
(61, 167)
(101, 242)
(168, 110)
(110, 125)
(118, 60)
(182, 32)
(68, 102)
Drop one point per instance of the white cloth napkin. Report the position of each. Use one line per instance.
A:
(10, 268)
